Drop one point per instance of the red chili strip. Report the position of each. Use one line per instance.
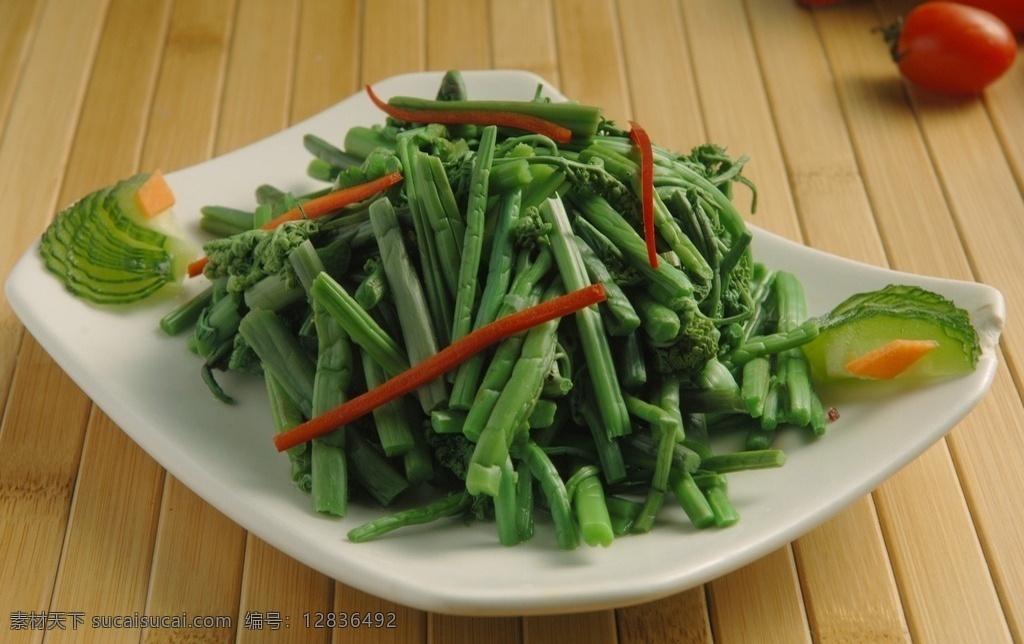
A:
(643, 142)
(440, 363)
(526, 122)
(318, 207)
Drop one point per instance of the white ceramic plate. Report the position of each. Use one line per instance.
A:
(150, 386)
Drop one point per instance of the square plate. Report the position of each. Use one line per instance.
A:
(225, 454)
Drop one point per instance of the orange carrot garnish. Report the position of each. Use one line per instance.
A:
(891, 359)
(440, 363)
(154, 196)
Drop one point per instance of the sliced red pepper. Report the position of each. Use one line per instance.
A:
(643, 142)
(440, 363)
(526, 122)
(336, 200)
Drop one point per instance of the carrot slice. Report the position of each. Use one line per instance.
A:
(500, 118)
(336, 200)
(440, 363)
(643, 142)
(195, 267)
(319, 207)
(154, 195)
(890, 359)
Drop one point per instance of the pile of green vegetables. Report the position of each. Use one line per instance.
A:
(597, 419)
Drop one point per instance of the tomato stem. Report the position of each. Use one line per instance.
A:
(891, 34)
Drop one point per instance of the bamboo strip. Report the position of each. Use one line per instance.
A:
(470, 50)
(892, 158)
(590, 70)
(401, 47)
(661, 81)
(596, 627)
(18, 23)
(109, 136)
(402, 623)
(736, 110)
(738, 117)
(986, 449)
(847, 581)
(197, 568)
(327, 62)
(321, 45)
(960, 605)
(278, 593)
(682, 617)
(589, 46)
(760, 602)
(104, 568)
(187, 97)
(1003, 100)
(988, 207)
(985, 199)
(280, 596)
(47, 414)
(530, 49)
(258, 77)
(834, 211)
(453, 629)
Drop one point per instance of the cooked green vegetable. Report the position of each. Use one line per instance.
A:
(512, 408)
(599, 421)
(589, 328)
(452, 504)
(410, 302)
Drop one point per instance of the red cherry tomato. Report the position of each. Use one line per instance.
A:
(1009, 11)
(952, 48)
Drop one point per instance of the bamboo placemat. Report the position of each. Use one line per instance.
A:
(846, 158)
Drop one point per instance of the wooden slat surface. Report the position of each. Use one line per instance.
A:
(846, 159)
